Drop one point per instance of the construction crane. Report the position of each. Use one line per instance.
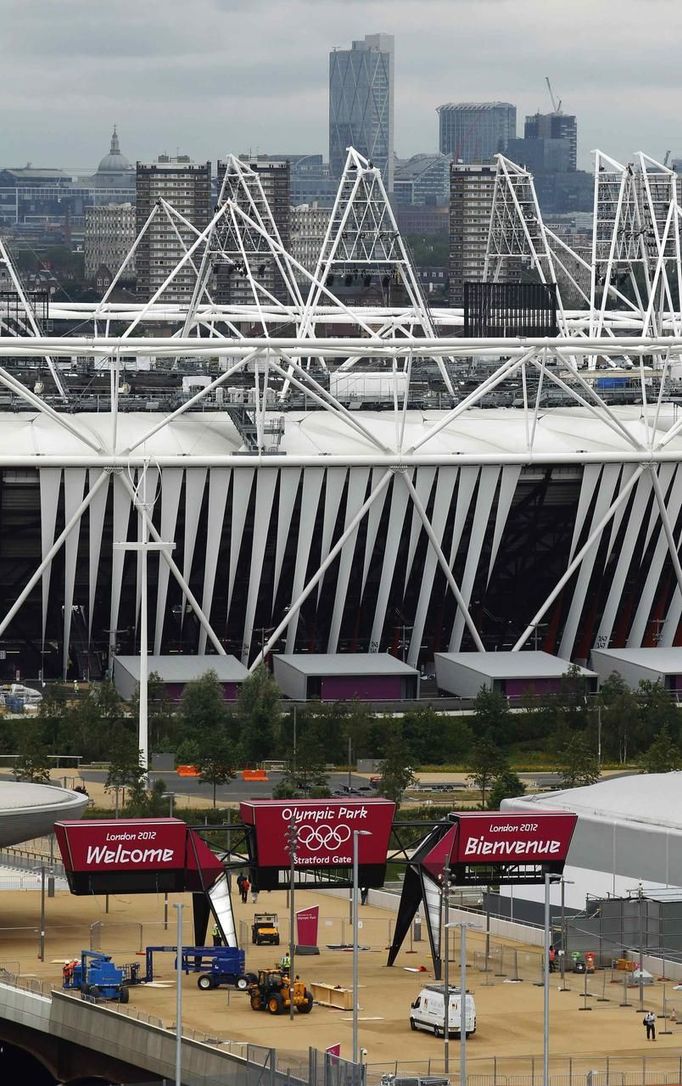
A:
(556, 106)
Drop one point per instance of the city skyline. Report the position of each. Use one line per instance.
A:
(75, 75)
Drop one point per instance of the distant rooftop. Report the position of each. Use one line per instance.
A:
(667, 660)
(475, 105)
(514, 665)
(346, 663)
(186, 668)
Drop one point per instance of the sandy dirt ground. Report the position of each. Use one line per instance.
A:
(509, 1014)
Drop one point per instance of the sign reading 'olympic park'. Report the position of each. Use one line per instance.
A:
(324, 830)
(512, 838)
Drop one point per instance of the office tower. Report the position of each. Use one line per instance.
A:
(471, 202)
(473, 132)
(422, 181)
(268, 182)
(109, 237)
(555, 126)
(361, 104)
(186, 185)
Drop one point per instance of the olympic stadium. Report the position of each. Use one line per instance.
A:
(303, 474)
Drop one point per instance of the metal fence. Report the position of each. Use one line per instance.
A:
(528, 1071)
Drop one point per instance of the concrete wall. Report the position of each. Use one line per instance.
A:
(292, 682)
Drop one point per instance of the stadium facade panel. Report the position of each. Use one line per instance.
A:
(250, 533)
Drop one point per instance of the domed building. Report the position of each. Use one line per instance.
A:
(114, 171)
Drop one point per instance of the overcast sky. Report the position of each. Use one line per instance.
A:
(209, 77)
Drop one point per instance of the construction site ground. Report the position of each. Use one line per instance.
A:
(510, 1014)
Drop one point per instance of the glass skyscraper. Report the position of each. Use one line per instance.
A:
(361, 107)
(475, 131)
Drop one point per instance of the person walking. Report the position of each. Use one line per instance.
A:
(649, 1022)
(245, 889)
(552, 959)
(217, 939)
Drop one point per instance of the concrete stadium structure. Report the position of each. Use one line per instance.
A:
(493, 492)
(31, 810)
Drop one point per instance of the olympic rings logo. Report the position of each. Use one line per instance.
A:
(314, 838)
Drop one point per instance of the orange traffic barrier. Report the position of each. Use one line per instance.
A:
(187, 771)
(254, 775)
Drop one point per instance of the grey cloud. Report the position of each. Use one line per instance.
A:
(228, 74)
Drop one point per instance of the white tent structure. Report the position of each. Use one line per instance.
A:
(629, 832)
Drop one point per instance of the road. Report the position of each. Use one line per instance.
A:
(234, 792)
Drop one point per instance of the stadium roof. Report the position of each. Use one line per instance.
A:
(478, 432)
(649, 798)
(31, 810)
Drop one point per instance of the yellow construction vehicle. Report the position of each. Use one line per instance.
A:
(274, 992)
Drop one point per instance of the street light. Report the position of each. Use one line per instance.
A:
(549, 879)
(564, 939)
(356, 962)
(178, 996)
(462, 1001)
(292, 845)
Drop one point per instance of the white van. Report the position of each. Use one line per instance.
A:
(427, 1011)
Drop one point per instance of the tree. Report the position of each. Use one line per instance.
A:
(215, 765)
(259, 715)
(663, 755)
(578, 762)
(146, 802)
(657, 710)
(504, 786)
(620, 718)
(492, 716)
(306, 770)
(125, 767)
(396, 774)
(32, 763)
(485, 762)
(163, 723)
(202, 707)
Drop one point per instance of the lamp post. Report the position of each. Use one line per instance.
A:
(143, 546)
(445, 889)
(356, 957)
(564, 883)
(178, 996)
(549, 879)
(292, 842)
(462, 1003)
